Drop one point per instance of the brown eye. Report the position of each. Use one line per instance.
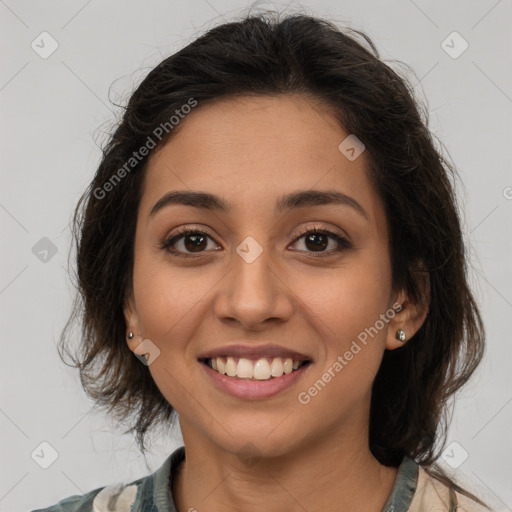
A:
(317, 240)
(194, 241)
(197, 242)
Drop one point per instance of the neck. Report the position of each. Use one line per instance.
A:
(326, 475)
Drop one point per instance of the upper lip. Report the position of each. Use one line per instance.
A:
(254, 351)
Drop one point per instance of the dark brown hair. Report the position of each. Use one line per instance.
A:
(267, 54)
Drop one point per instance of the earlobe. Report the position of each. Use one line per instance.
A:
(132, 323)
(404, 326)
(407, 322)
(398, 332)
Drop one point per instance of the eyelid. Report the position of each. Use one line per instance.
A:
(307, 228)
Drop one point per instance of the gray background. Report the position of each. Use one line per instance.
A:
(53, 110)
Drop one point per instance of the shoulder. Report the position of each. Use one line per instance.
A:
(134, 496)
(433, 495)
(114, 498)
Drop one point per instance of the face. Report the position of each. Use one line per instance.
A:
(252, 282)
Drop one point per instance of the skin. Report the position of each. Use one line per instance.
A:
(241, 454)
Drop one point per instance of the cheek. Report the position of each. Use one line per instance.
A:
(169, 307)
(346, 301)
(341, 385)
(166, 298)
(348, 307)
(172, 303)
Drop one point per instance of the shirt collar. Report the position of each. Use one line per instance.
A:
(404, 488)
(162, 495)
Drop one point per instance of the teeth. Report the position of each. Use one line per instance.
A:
(231, 367)
(262, 369)
(276, 368)
(244, 369)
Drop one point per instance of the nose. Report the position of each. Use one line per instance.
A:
(253, 292)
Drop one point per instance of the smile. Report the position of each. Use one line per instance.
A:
(264, 368)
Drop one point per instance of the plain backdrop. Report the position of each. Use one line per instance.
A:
(55, 106)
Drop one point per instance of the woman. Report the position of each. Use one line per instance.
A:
(274, 236)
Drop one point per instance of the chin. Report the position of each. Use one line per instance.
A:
(257, 439)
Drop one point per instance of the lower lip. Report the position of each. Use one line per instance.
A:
(253, 389)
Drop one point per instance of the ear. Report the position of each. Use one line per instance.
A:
(131, 319)
(411, 316)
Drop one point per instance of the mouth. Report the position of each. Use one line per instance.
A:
(253, 372)
(256, 369)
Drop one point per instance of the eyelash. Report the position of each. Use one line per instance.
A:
(183, 233)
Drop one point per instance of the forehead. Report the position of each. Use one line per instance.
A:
(253, 150)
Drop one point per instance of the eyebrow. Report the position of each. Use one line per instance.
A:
(287, 202)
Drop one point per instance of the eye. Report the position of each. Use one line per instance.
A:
(194, 240)
(318, 239)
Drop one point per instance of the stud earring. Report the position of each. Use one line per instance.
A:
(400, 335)
(130, 335)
